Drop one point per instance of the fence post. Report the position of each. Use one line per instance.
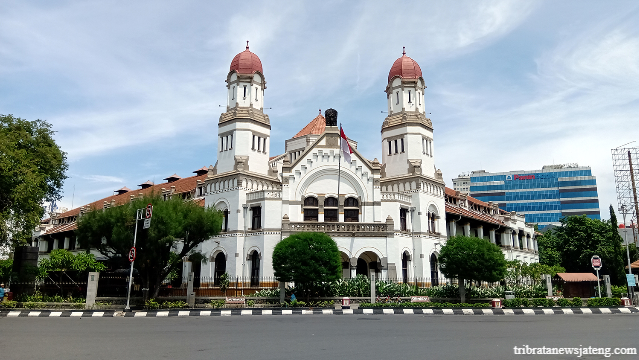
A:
(282, 292)
(607, 283)
(549, 284)
(190, 295)
(92, 289)
(372, 288)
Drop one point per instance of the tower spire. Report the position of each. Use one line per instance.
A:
(403, 48)
(247, 44)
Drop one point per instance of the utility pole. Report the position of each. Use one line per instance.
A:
(624, 211)
(634, 187)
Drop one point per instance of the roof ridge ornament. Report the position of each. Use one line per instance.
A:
(247, 45)
(403, 49)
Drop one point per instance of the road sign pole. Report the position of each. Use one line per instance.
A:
(598, 284)
(135, 235)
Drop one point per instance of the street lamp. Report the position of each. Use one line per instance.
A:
(625, 240)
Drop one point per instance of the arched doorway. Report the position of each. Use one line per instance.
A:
(346, 266)
(367, 263)
(220, 267)
(434, 270)
(255, 268)
(405, 266)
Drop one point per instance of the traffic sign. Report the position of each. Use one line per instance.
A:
(149, 211)
(596, 262)
(631, 280)
(147, 224)
(132, 254)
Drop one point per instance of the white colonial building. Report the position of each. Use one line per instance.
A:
(389, 218)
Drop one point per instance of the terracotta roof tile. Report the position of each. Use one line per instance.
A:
(454, 209)
(577, 277)
(62, 228)
(315, 127)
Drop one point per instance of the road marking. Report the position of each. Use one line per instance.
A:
(488, 311)
(205, 313)
(367, 311)
(267, 312)
(605, 310)
(184, 313)
(330, 311)
(76, 314)
(529, 312)
(287, 312)
(225, 313)
(428, 311)
(548, 312)
(586, 311)
(468, 311)
(508, 312)
(388, 311)
(347, 311)
(448, 311)
(246, 312)
(98, 314)
(568, 311)
(307, 312)
(408, 311)
(625, 310)
(14, 313)
(34, 313)
(55, 314)
(162, 314)
(140, 314)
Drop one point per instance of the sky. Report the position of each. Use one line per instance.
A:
(134, 89)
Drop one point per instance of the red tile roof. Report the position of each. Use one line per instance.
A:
(62, 228)
(246, 62)
(405, 68)
(454, 209)
(577, 277)
(315, 127)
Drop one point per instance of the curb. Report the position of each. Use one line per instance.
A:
(375, 311)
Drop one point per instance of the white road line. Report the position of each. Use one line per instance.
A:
(287, 312)
(428, 311)
(267, 312)
(548, 312)
(488, 311)
(98, 314)
(34, 313)
(468, 311)
(586, 311)
(448, 311)
(246, 312)
(140, 314)
(508, 312)
(409, 311)
(76, 314)
(162, 314)
(330, 311)
(55, 314)
(205, 313)
(568, 311)
(367, 311)
(605, 311)
(529, 312)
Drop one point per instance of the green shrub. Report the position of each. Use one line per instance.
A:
(422, 305)
(297, 303)
(250, 303)
(541, 302)
(577, 302)
(266, 293)
(33, 305)
(618, 291)
(562, 302)
(151, 304)
(8, 304)
(174, 305)
(216, 304)
(603, 302)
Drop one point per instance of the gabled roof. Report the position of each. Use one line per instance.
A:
(172, 178)
(471, 214)
(577, 277)
(315, 127)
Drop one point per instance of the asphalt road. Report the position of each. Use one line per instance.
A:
(312, 337)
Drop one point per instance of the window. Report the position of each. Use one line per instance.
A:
(310, 209)
(245, 91)
(264, 146)
(230, 141)
(434, 270)
(397, 95)
(409, 96)
(402, 144)
(351, 210)
(389, 147)
(221, 143)
(259, 143)
(253, 147)
(220, 267)
(396, 147)
(405, 267)
(233, 93)
(256, 94)
(330, 210)
(225, 225)
(419, 98)
(225, 141)
(255, 269)
(256, 221)
(423, 146)
(402, 219)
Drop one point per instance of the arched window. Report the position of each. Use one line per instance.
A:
(256, 94)
(403, 212)
(220, 267)
(245, 91)
(434, 270)
(409, 96)
(255, 269)
(362, 267)
(397, 95)
(351, 210)
(233, 93)
(330, 210)
(405, 260)
(310, 209)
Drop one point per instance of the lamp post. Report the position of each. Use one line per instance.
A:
(625, 240)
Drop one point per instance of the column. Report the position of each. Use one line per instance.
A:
(453, 228)
(524, 242)
(491, 234)
(514, 240)
(480, 231)
(467, 229)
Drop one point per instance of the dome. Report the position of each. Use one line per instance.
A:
(246, 62)
(405, 68)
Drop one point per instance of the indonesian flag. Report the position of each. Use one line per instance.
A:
(346, 147)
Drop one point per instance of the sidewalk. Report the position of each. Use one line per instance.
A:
(278, 312)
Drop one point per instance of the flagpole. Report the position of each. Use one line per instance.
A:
(339, 167)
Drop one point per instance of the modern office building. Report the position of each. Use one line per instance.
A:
(543, 196)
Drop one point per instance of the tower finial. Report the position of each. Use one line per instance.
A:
(247, 44)
(320, 111)
(403, 49)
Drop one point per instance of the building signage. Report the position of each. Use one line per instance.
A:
(530, 177)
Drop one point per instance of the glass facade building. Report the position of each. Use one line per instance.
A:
(543, 196)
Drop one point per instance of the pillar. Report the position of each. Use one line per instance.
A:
(491, 234)
(453, 228)
(480, 231)
(524, 242)
(92, 289)
(467, 229)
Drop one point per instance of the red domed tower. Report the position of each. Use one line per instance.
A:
(244, 121)
(406, 133)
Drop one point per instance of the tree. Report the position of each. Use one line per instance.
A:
(471, 258)
(549, 249)
(32, 170)
(177, 228)
(64, 260)
(306, 258)
(617, 256)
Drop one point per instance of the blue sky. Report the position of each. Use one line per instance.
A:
(133, 88)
